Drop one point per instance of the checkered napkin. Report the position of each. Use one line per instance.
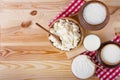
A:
(107, 74)
(71, 9)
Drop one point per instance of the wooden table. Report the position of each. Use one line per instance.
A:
(25, 53)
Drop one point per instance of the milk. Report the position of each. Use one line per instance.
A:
(91, 42)
(94, 13)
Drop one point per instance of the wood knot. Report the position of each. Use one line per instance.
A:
(33, 13)
(26, 24)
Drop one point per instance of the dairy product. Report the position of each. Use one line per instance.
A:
(83, 67)
(110, 54)
(69, 33)
(94, 13)
(92, 42)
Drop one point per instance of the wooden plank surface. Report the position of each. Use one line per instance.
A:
(36, 70)
(25, 53)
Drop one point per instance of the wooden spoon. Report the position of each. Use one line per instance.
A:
(55, 36)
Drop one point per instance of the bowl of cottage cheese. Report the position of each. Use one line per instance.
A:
(69, 32)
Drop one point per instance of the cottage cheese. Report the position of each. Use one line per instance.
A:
(68, 32)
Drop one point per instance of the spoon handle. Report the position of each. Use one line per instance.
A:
(55, 36)
(42, 28)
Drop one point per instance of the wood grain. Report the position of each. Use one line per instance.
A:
(25, 53)
(36, 70)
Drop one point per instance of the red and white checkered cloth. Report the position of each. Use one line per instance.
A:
(71, 9)
(107, 74)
